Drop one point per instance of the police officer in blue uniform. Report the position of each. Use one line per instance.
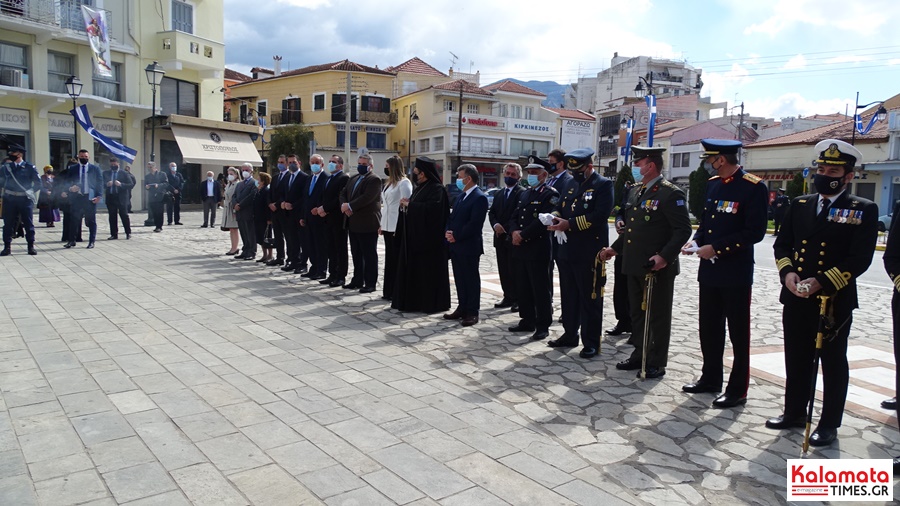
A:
(531, 252)
(17, 179)
(582, 213)
(826, 242)
(733, 220)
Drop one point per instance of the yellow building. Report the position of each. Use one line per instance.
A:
(43, 43)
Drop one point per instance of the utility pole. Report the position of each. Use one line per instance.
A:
(347, 119)
(741, 129)
(459, 127)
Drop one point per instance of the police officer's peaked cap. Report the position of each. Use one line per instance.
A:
(640, 152)
(837, 152)
(577, 158)
(714, 147)
(535, 162)
(13, 147)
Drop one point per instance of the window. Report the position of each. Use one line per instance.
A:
(448, 105)
(59, 68)
(244, 110)
(479, 145)
(376, 141)
(524, 147)
(178, 97)
(339, 108)
(472, 108)
(425, 145)
(290, 111)
(412, 146)
(182, 16)
(376, 104)
(341, 136)
(319, 102)
(504, 108)
(865, 190)
(515, 111)
(108, 87)
(262, 108)
(439, 143)
(681, 160)
(529, 113)
(491, 146)
(12, 58)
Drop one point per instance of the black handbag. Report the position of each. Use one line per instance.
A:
(269, 237)
(168, 198)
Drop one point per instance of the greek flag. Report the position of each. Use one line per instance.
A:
(651, 104)
(628, 138)
(118, 149)
(859, 125)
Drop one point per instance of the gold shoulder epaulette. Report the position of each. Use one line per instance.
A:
(666, 182)
(802, 201)
(714, 177)
(753, 179)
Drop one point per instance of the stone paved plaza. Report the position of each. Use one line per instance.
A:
(156, 371)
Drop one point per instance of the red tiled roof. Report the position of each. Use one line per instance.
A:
(234, 75)
(416, 66)
(343, 65)
(511, 87)
(261, 69)
(467, 87)
(572, 113)
(842, 130)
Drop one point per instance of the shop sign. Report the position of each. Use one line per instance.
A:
(15, 119)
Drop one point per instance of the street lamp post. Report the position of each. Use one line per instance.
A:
(628, 126)
(73, 88)
(880, 115)
(413, 118)
(650, 96)
(155, 74)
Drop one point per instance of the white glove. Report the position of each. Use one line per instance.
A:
(546, 219)
(561, 237)
(692, 247)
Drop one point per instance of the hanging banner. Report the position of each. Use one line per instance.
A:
(651, 105)
(98, 38)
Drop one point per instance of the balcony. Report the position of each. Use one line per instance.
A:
(49, 19)
(389, 118)
(285, 118)
(178, 50)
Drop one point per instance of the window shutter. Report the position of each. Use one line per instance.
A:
(385, 105)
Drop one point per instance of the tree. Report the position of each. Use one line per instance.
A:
(624, 176)
(289, 139)
(795, 186)
(697, 191)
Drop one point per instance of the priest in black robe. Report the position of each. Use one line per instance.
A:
(423, 278)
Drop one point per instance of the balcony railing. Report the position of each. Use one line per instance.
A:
(378, 117)
(285, 118)
(64, 14)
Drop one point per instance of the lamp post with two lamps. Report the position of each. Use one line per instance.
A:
(155, 74)
(880, 115)
(73, 88)
(627, 124)
(413, 119)
(650, 96)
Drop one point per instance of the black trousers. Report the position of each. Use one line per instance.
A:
(173, 208)
(364, 250)
(580, 311)
(778, 219)
(15, 209)
(117, 211)
(336, 239)
(85, 210)
(247, 229)
(507, 272)
(895, 309)
(621, 304)
(318, 254)
(291, 232)
(718, 305)
(156, 211)
(278, 223)
(801, 320)
(468, 282)
(533, 283)
(660, 316)
(391, 258)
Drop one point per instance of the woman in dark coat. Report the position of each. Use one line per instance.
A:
(423, 278)
(263, 216)
(47, 211)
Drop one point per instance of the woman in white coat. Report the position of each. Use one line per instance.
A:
(396, 187)
(229, 221)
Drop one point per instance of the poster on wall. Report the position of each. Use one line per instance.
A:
(577, 134)
(98, 38)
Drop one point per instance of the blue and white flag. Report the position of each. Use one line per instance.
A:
(628, 139)
(117, 149)
(859, 126)
(651, 104)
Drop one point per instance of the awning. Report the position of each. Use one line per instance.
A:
(215, 147)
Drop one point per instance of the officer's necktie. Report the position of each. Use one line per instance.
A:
(552, 181)
(291, 181)
(824, 211)
(84, 179)
(358, 180)
(312, 185)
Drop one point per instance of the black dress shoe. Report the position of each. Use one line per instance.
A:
(628, 365)
(728, 400)
(317, 277)
(781, 422)
(262, 260)
(238, 257)
(300, 270)
(822, 436)
(157, 229)
(273, 263)
(564, 341)
(701, 387)
(70, 244)
(540, 335)
(469, 321)
(249, 257)
(112, 238)
(653, 372)
(521, 328)
(179, 223)
(889, 404)
(5, 253)
(896, 465)
(90, 245)
(336, 283)
(367, 289)
(456, 315)
(288, 268)
(127, 236)
(502, 304)
(306, 274)
(588, 352)
(351, 286)
(326, 281)
(204, 226)
(514, 308)
(31, 250)
(619, 329)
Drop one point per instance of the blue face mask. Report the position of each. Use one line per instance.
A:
(510, 181)
(533, 180)
(331, 167)
(282, 167)
(362, 169)
(460, 184)
(636, 174)
(315, 168)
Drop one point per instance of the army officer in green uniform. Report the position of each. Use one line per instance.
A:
(658, 224)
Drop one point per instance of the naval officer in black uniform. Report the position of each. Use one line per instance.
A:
(733, 220)
(17, 179)
(658, 225)
(582, 214)
(531, 251)
(892, 266)
(826, 242)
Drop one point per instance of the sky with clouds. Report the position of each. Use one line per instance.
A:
(780, 57)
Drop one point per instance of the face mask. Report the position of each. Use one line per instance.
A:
(114, 167)
(460, 184)
(577, 175)
(387, 172)
(231, 177)
(246, 174)
(362, 168)
(173, 169)
(532, 180)
(511, 181)
(294, 167)
(83, 161)
(315, 168)
(710, 168)
(827, 185)
(282, 167)
(636, 174)
(210, 179)
(331, 167)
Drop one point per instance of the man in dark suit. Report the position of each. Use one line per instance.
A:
(313, 222)
(116, 185)
(279, 216)
(85, 190)
(293, 208)
(781, 204)
(176, 183)
(335, 233)
(826, 242)
(133, 184)
(892, 266)
(466, 244)
(243, 210)
(361, 206)
(500, 214)
(210, 195)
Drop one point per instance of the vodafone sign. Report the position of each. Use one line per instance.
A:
(480, 122)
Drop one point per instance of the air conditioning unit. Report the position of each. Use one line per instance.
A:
(403, 142)
(11, 77)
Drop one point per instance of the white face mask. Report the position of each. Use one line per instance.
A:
(210, 179)
(246, 174)
(173, 169)
(231, 177)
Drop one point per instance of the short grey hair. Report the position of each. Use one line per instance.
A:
(515, 166)
(210, 173)
(247, 166)
(317, 157)
(367, 158)
(469, 170)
